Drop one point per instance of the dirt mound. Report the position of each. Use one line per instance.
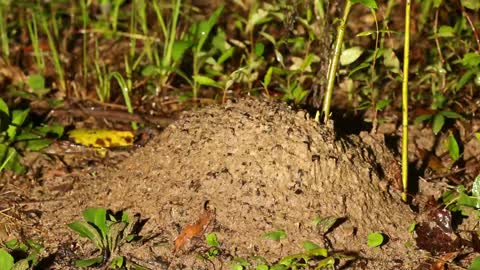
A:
(261, 167)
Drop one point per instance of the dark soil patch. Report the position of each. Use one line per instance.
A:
(261, 167)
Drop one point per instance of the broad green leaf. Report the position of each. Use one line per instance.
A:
(381, 104)
(37, 145)
(117, 262)
(466, 77)
(375, 239)
(204, 80)
(6, 260)
(477, 135)
(36, 81)
(438, 122)
(4, 107)
(212, 240)
(275, 235)
(309, 245)
(12, 244)
(12, 161)
(54, 129)
(359, 67)
(411, 227)
(262, 267)
(89, 262)
(86, 230)
(97, 217)
(453, 148)
(241, 262)
(476, 190)
(326, 263)
(350, 55)
(150, 70)
(446, 31)
(475, 264)
(318, 252)
(471, 60)
(19, 116)
(258, 16)
(368, 3)
(471, 4)
(466, 200)
(451, 115)
(204, 28)
(268, 78)
(178, 49)
(436, 3)
(422, 118)
(259, 49)
(226, 55)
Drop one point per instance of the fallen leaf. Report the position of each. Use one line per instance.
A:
(193, 230)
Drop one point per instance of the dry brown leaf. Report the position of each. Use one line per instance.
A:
(193, 230)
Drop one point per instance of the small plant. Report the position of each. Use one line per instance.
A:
(16, 132)
(28, 251)
(107, 233)
(375, 239)
(313, 255)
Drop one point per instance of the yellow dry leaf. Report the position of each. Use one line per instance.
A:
(101, 138)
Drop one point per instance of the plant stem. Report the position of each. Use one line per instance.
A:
(332, 68)
(406, 52)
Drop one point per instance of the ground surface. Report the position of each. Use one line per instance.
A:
(259, 167)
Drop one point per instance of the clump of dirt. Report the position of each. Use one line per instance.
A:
(260, 166)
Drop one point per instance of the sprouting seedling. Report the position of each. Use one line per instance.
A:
(30, 248)
(375, 239)
(107, 234)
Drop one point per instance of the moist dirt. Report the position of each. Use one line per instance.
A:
(256, 167)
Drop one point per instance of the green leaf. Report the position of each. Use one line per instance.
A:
(36, 81)
(368, 3)
(309, 245)
(422, 118)
(476, 190)
(471, 4)
(37, 145)
(438, 122)
(350, 55)
(437, 3)
(225, 55)
(375, 239)
(466, 77)
(204, 28)
(6, 260)
(453, 148)
(89, 262)
(275, 235)
(86, 230)
(262, 267)
(411, 227)
(268, 78)
(97, 217)
(446, 31)
(318, 252)
(382, 104)
(149, 70)
(117, 262)
(477, 135)
(204, 80)
(212, 240)
(451, 115)
(259, 48)
(471, 60)
(178, 49)
(12, 161)
(4, 107)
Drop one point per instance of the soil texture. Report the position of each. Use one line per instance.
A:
(256, 166)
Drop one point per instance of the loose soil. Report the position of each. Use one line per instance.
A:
(258, 166)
